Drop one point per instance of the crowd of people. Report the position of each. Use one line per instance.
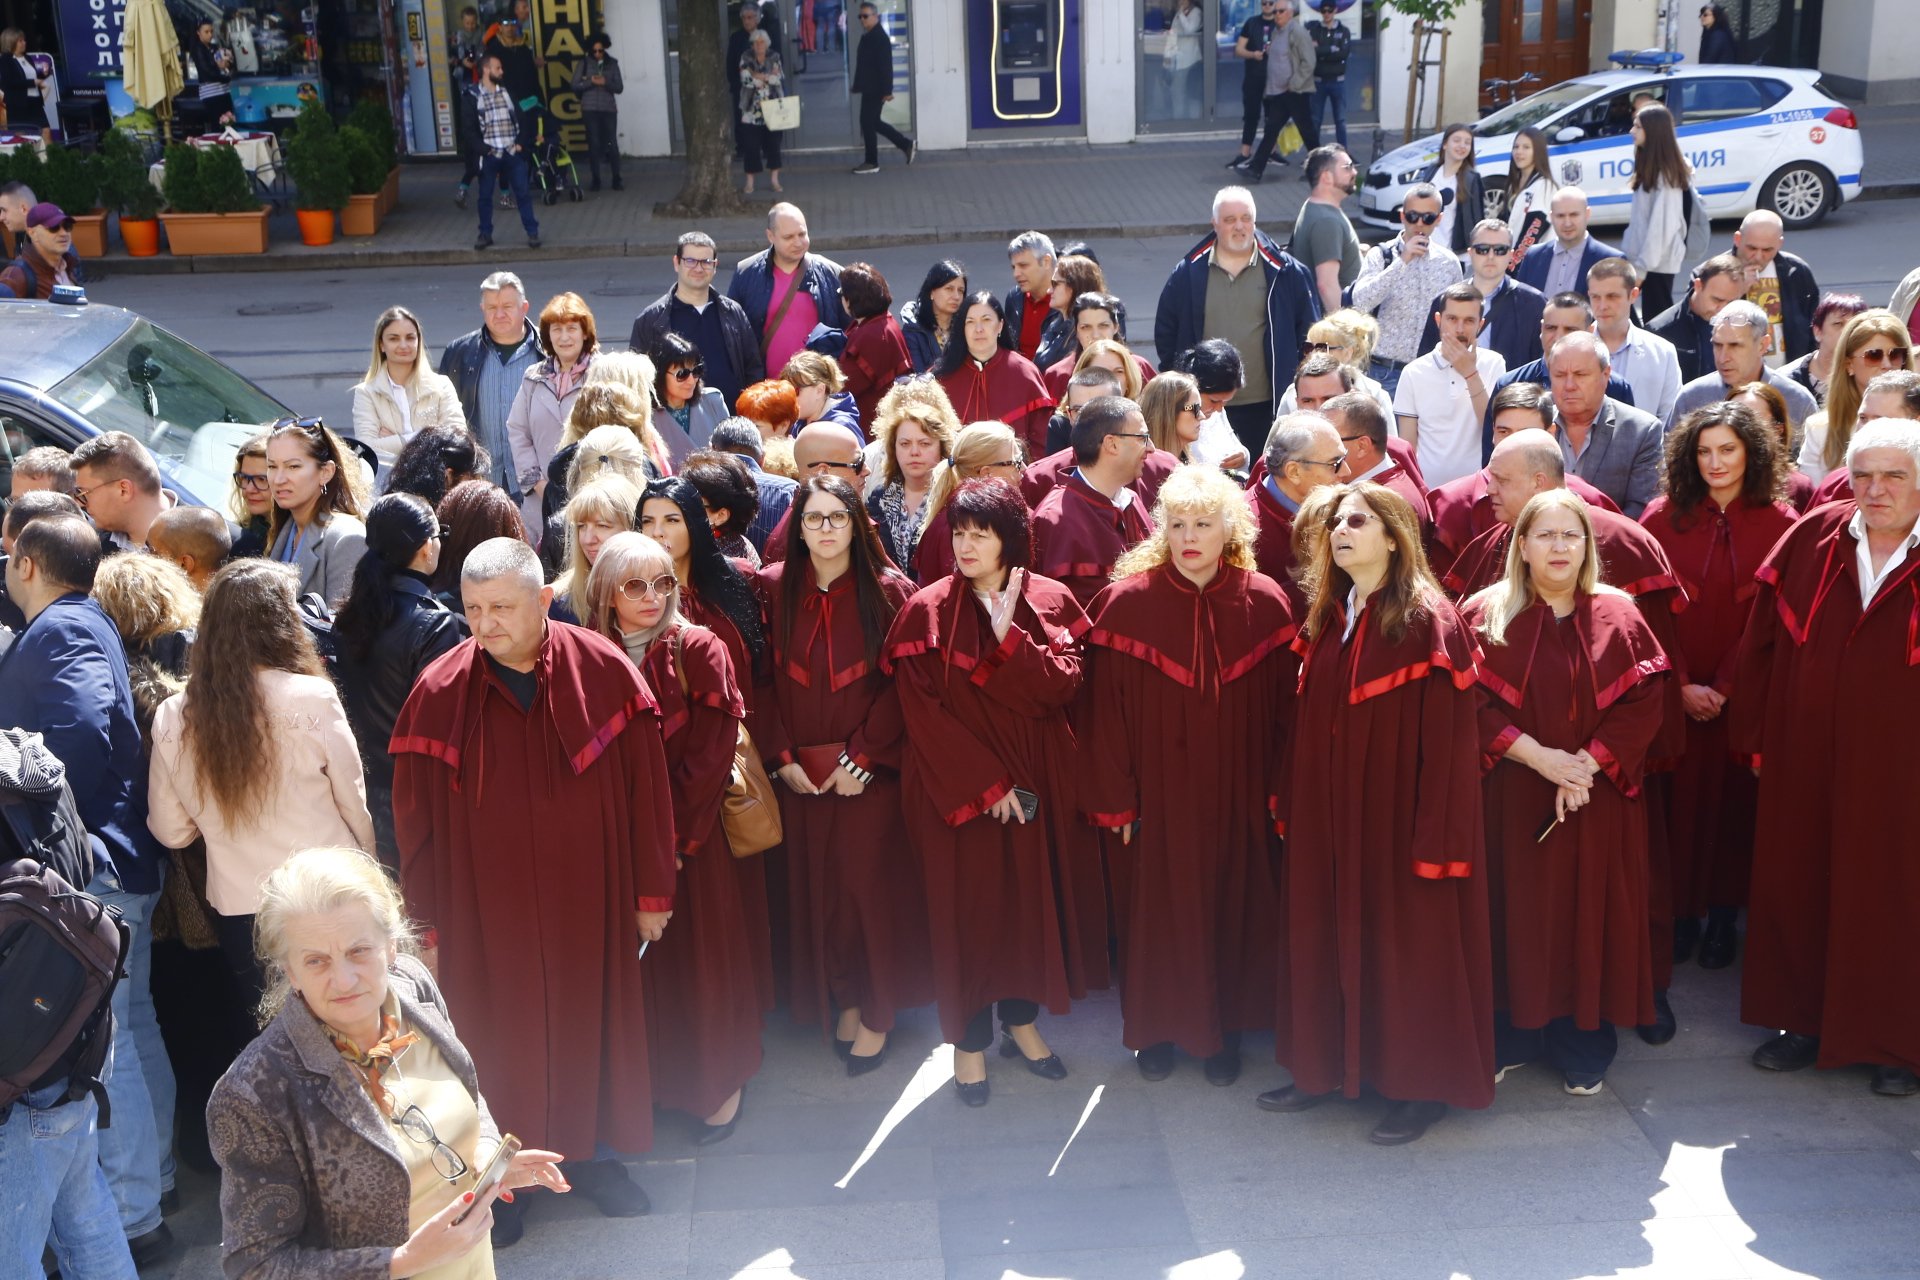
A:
(1389, 663)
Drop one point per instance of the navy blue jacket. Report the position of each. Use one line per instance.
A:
(1514, 319)
(66, 679)
(1692, 337)
(752, 288)
(922, 345)
(1293, 304)
(840, 408)
(1537, 261)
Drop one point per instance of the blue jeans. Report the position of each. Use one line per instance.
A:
(53, 1192)
(136, 1147)
(1386, 375)
(512, 169)
(1334, 92)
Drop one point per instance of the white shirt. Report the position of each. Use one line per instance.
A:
(1649, 364)
(398, 394)
(1355, 605)
(1486, 308)
(1216, 441)
(1121, 500)
(1448, 441)
(1869, 580)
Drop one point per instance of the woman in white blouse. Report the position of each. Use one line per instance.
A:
(401, 395)
(1530, 184)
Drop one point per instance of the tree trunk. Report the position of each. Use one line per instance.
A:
(707, 99)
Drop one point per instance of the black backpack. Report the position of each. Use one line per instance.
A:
(62, 951)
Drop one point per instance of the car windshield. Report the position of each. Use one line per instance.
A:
(189, 409)
(1528, 112)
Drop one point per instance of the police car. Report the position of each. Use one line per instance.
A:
(1757, 137)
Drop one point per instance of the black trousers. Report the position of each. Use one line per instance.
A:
(1560, 1044)
(873, 128)
(1253, 93)
(1282, 107)
(761, 146)
(603, 140)
(979, 1036)
(249, 980)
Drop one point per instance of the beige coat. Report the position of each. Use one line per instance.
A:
(432, 401)
(317, 797)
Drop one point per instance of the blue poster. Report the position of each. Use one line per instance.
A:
(89, 43)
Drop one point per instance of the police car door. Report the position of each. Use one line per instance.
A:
(1730, 136)
(1593, 147)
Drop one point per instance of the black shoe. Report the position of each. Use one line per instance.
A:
(1155, 1061)
(844, 1048)
(1009, 1047)
(617, 184)
(974, 1095)
(1253, 176)
(1719, 945)
(460, 198)
(1406, 1122)
(859, 1065)
(1661, 1029)
(715, 1133)
(152, 1247)
(533, 242)
(611, 1188)
(1289, 1099)
(1787, 1052)
(913, 150)
(509, 1221)
(1895, 1082)
(1047, 1068)
(1686, 935)
(170, 1200)
(1223, 1068)
(867, 168)
(1239, 162)
(484, 242)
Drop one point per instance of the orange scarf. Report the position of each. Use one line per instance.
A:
(368, 1063)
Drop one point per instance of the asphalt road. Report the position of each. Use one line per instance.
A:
(306, 337)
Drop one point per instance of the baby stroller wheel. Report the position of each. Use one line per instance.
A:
(552, 197)
(576, 194)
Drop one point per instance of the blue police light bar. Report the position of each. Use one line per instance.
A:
(68, 295)
(1645, 59)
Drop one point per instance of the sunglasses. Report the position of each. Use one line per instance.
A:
(305, 424)
(1419, 219)
(443, 532)
(1326, 346)
(1352, 520)
(1485, 249)
(659, 588)
(1881, 355)
(1193, 408)
(685, 374)
(1335, 465)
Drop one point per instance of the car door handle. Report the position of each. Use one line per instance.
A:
(1768, 133)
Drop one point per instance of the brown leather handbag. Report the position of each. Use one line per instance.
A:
(749, 811)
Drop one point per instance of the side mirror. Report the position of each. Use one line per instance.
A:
(1571, 133)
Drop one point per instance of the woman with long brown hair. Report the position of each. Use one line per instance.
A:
(471, 513)
(1766, 403)
(1463, 191)
(256, 755)
(1656, 238)
(1386, 977)
(318, 500)
(1873, 342)
(1530, 183)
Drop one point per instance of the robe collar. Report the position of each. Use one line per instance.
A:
(1836, 550)
(834, 614)
(946, 617)
(1439, 642)
(1204, 638)
(1616, 650)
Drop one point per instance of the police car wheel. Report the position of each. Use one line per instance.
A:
(1496, 198)
(1800, 193)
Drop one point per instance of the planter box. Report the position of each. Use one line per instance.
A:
(190, 234)
(363, 215)
(90, 234)
(390, 193)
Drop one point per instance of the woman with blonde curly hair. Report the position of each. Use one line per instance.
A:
(980, 451)
(1348, 336)
(1189, 689)
(155, 609)
(1385, 975)
(913, 434)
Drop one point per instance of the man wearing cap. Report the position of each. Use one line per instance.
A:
(46, 256)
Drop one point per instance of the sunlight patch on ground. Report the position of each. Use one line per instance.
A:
(1086, 1114)
(927, 1081)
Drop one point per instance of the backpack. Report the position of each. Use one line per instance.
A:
(62, 951)
(317, 618)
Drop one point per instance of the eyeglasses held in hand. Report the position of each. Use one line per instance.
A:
(818, 520)
(446, 1161)
(1352, 520)
(659, 588)
(1419, 219)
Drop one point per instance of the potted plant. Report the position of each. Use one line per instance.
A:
(318, 166)
(211, 207)
(373, 118)
(68, 180)
(120, 166)
(367, 179)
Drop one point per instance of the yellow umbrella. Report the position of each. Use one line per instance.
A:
(150, 55)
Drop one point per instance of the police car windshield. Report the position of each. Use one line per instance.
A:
(1528, 112)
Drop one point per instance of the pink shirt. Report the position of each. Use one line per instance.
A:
(791, 336)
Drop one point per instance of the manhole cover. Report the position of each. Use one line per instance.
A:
(284, 308)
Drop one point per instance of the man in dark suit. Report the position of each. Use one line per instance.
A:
(873, 81)
(1560, 265)
(1510, 314)
(1564, 313)
(1614, 447)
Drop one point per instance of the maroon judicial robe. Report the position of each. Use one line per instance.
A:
(1826, 698)
(1013, 910)
(1187, 708)
(1462, 511)
(1837, 487)
(1570, 912)
(1802, 494)
(1057, 375)
(1395, 477)
(1078, 534)
(1273, 544)
(1042, 477)
(703, 979)
(857, 912)
(528, 839)
(1007, 388)
(1710, 820)
(874, 358)
(1386, 974)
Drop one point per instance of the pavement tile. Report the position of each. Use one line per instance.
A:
(1831, 1246)
(1690, 1250)
(1030, 1220)
(836, 1235)
(892, 1269)
(791, 1180)
(1724, 1102)
(1340, 1200)
(1095, 1163)
(1759, 1183)
(1175, 1262)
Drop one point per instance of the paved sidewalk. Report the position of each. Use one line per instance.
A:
(1135, 189)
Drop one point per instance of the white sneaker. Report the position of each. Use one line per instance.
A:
(1584, 1090)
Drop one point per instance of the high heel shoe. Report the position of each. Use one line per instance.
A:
(859, 1065)
(974, 1095)
(713, 1133)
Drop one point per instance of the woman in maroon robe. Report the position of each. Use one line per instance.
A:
(829, 725)
(1722, 513)
(1188, 703)
(1571, 703)
(986, 661)
(987, 379)
(703, 997)
(1386, 979)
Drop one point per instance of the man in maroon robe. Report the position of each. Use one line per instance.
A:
(1050, 472)
(1363, 429)
(1303, 453)
(1828, 681)
(1086, 524)
(535, 831)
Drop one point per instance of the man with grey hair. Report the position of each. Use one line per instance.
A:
(740, 437)
(43, 467)
(1742, 338)
(1031, 320)
(487, 366)
(1399, 281)
(1303, 453)
(1827, 678)
(711, 321)
(786, 289)
(534, 825)
(1613, 446)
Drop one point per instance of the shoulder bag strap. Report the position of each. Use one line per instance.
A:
(786, 304)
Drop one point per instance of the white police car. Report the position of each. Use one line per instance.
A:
(1757, 137)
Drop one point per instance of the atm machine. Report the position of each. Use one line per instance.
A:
(1024, 58)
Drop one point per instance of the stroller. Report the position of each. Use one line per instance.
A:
(553, 172)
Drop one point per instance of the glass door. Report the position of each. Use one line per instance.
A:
(1178, 61)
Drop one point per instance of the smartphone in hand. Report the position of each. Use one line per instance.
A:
(494, 1174)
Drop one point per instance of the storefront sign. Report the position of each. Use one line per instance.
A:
(90, 44)
(561, 29)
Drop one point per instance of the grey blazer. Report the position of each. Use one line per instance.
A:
(1623, 457)
(326, 559)
(313, 1180)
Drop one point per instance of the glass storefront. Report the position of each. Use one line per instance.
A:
(1190, 78)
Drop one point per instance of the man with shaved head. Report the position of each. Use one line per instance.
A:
(197, 539)
(1779, 283)
(533, 821)
(821, 449)
(1559, 264)
(786, 289)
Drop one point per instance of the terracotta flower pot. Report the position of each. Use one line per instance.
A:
(390, 193)
(191, 234)
(316, 226)
(90, 234)
(362, 216)
(141, 236)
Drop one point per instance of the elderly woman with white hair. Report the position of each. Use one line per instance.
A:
(352, 1133)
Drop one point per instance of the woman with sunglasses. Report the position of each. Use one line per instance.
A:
(703, 992)
(1190, 690)
(1571, 703)
(251, 503)
(358, 1106)
(317, 500)
(981, 451)
(386, 633)
(1873, 342)
(1386, 977)
(1074, 276)
(684, 411)
(828, 724)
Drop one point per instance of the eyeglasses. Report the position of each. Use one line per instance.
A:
(818, 520)
(1352, 520)
(1884, 355)
(1351, 439)
(1419, 219)
(1131, 435)
(685, 374)
(305, 424)
(80, 495)
(1556, 537)
(1327, 346)
(244, 480)
(659, 588)
(699, 264)
(1335, 465)
(446, 1161)
(1015, 464)
(1485, 249)
(821, 468)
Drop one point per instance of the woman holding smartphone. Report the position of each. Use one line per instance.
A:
(986, 661)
